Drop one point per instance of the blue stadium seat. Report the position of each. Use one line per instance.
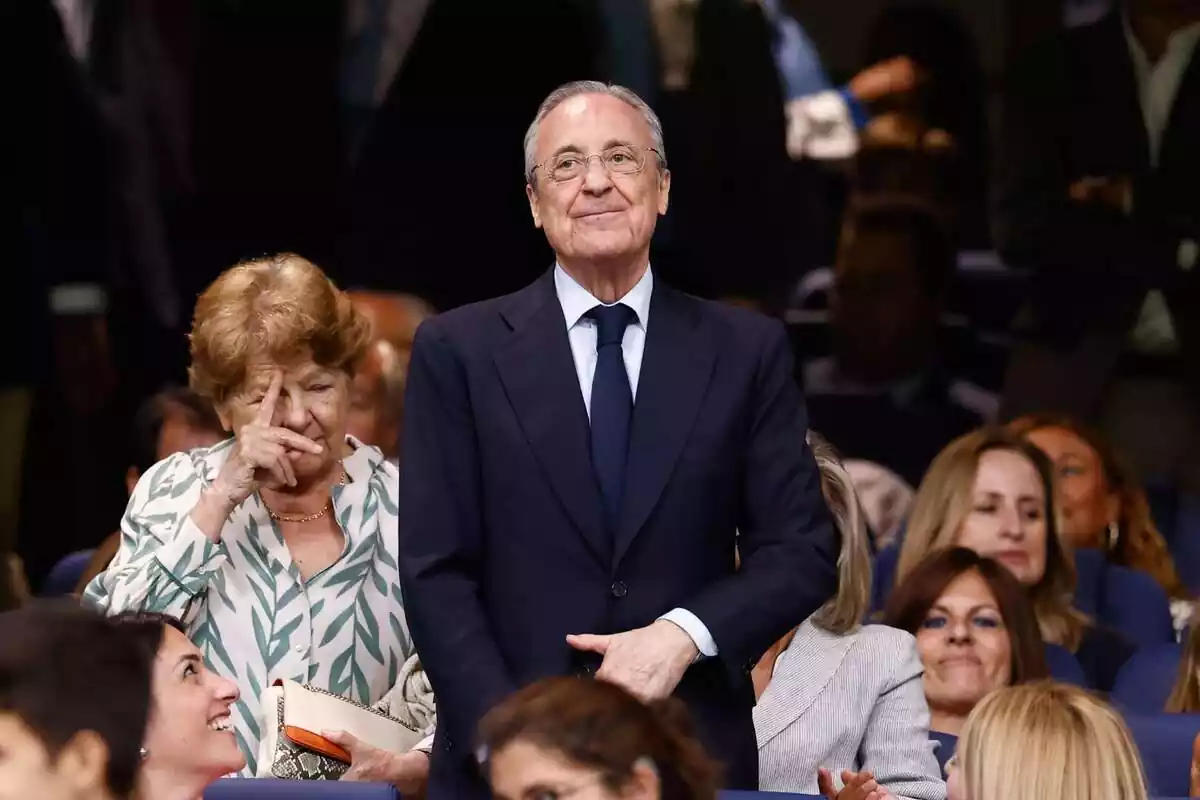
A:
(1145, 682)
(1123, 599)
(946, 745)
(241, 789)
(66, 574)
(1064, 666)
(1165, 742)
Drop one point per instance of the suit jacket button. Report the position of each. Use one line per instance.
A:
(619, 589)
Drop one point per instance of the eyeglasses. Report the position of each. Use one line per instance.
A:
(620, 160)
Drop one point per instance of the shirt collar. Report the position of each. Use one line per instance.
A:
(577, 301)
(1186, 38)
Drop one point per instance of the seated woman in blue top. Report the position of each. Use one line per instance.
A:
(839, 698)
(993, 492)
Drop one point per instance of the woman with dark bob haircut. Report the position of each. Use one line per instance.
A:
(975, 631)
(74, 699)
(573, 737)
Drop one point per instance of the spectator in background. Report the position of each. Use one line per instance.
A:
(377, 391)
(290, 524)
(173, 421)
(994, 493)
(1103, 505)
(190, 740)
(885, 395)
(1098, 197)
(565, 737)
(950, 97)
(1046, 739)
(975, 630)
(839, 698)
(75, 694)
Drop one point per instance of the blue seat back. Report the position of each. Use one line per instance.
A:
(946, 745)
(1134, 604)
(242, 789)
(1145, 682)
(1165, 742)
(1064, 666)
(884, 574)
(65, 575)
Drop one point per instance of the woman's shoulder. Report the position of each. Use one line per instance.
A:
(874, 649)
(171, 478)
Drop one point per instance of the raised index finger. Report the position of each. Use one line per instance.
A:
(266, 410)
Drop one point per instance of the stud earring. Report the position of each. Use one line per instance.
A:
(142, 753)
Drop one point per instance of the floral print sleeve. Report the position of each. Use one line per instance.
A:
(164, 560)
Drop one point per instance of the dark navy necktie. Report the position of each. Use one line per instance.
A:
(612, 408)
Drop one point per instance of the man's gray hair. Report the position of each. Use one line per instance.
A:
(576, 88)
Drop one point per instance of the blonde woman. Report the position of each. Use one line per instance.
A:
(993, 492)
(1045, 739)
(839, 698)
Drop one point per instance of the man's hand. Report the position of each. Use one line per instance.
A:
(1115, 192)
(648, 662)
(408, 772)
(894, 76)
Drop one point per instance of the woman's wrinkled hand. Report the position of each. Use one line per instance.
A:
(408, 772)
(262, 453)
(855, 786)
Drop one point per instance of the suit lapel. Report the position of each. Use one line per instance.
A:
(1180, 133)
(538, 373)
(676, 367)
(802, 673)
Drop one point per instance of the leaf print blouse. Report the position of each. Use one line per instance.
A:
(243, 601)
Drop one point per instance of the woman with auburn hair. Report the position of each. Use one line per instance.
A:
(836, 697)
(993, 492)
(276, 548)
(975, 631)
(1045, 739)
(591, 740)
(1103, 505)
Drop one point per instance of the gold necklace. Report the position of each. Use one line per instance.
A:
(307, 517)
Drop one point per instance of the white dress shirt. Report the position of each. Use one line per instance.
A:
(1157, 84)
(576, 301)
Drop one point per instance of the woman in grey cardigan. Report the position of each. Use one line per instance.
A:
(841, 704)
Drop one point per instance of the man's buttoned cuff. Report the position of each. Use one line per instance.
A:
(694, 628)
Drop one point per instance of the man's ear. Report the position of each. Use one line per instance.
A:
(664, 190)
(531, 194)
(83, 764)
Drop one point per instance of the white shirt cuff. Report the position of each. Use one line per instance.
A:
(821, 127)
(694, 628)
(78, 298)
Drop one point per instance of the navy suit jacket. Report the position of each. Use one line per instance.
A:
(500, 551)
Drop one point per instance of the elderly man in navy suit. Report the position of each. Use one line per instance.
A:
(584, 458)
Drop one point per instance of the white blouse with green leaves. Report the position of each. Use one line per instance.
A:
(243, 601)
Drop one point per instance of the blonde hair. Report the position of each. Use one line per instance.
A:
(277, 308)
(943, 501)
(1185, 696)
(845, 611)
(1047, 739)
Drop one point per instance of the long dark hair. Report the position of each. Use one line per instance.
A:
(910, 602)
(602, 727)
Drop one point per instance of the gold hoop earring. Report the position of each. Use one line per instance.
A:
(1113, 536)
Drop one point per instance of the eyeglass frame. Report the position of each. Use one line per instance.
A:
(587, 161)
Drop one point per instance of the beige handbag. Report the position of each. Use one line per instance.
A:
(295, 714)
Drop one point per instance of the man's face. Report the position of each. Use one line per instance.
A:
(597, 216)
